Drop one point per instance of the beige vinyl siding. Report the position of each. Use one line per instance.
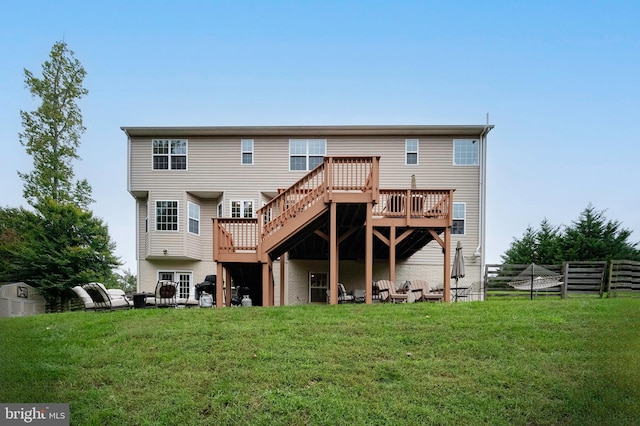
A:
(143, 237)
(215, 174)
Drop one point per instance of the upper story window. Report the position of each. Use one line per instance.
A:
(411, 151)
(306, 154)
(459, 218)
(166, 215)
(194, 218)
(466, 152)
(246, 147)
(169, 154)
(242, 209)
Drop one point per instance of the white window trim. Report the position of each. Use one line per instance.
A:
(186, 155)
(465, 164)
(242, 152)
(177, 273)
(464, 219)
(189, 218)
(307, 155)
(407, 152)
(253, 210)
(177, 217)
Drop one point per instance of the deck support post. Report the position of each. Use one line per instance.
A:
(392, 254)
(446, 250)
(266, 293)
(333, 254)
(368, 256)
(219, 285)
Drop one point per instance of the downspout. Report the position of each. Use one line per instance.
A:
(479, 251)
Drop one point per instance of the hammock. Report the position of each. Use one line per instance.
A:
(536, 277)
(537, 283)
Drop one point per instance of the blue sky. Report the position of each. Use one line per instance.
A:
(560, 81)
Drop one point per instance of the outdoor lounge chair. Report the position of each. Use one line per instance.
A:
(422, 291)
(343, 296)
(102, 298)
(84, 297)
(388, 292)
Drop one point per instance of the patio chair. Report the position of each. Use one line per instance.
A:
(166, 294)
(343, 296)
(422, 291)
(463, 293)
(388, 292)
(102, 298)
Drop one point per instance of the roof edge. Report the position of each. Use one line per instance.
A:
(346, 130)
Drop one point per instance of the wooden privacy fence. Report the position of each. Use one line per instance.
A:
(585, 277)
(577, 278)
(624, 278)
(497, 279)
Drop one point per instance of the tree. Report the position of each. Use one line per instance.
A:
(51, 133)
(594, 237)
(64, 246)
(60, 243)
(125, 281)
(591, 237)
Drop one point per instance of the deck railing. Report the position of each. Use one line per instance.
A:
(235, 234)
(334, 174)
(414, 203)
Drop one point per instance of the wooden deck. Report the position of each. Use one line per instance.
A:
(339, 202)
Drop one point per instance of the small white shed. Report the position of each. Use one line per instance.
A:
(20, 299)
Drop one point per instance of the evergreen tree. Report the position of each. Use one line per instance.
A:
(594, 237)
(591, 237)
(51, 133)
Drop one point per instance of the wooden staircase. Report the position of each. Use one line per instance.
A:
(309, 207)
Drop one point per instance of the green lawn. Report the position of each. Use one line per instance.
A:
(515, 362)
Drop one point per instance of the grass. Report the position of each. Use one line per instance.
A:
(517, 362)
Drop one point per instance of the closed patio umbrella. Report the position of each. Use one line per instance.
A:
(457, 271)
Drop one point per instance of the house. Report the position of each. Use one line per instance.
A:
(290, 211)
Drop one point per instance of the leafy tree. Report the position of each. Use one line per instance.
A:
(64, 246)
(125, 281)
(13, 225)
(51, 133)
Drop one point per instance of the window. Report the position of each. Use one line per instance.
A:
(169, 154)
(459, 214)
(411, 151)
(246, 151)
(182, 278)
(242, 209)
(306, 154)
(318, 286)
(166, 215)
(194, 218)
(465, 152)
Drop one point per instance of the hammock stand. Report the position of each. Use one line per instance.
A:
(536, 281)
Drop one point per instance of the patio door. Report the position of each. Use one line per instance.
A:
(318, 286)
